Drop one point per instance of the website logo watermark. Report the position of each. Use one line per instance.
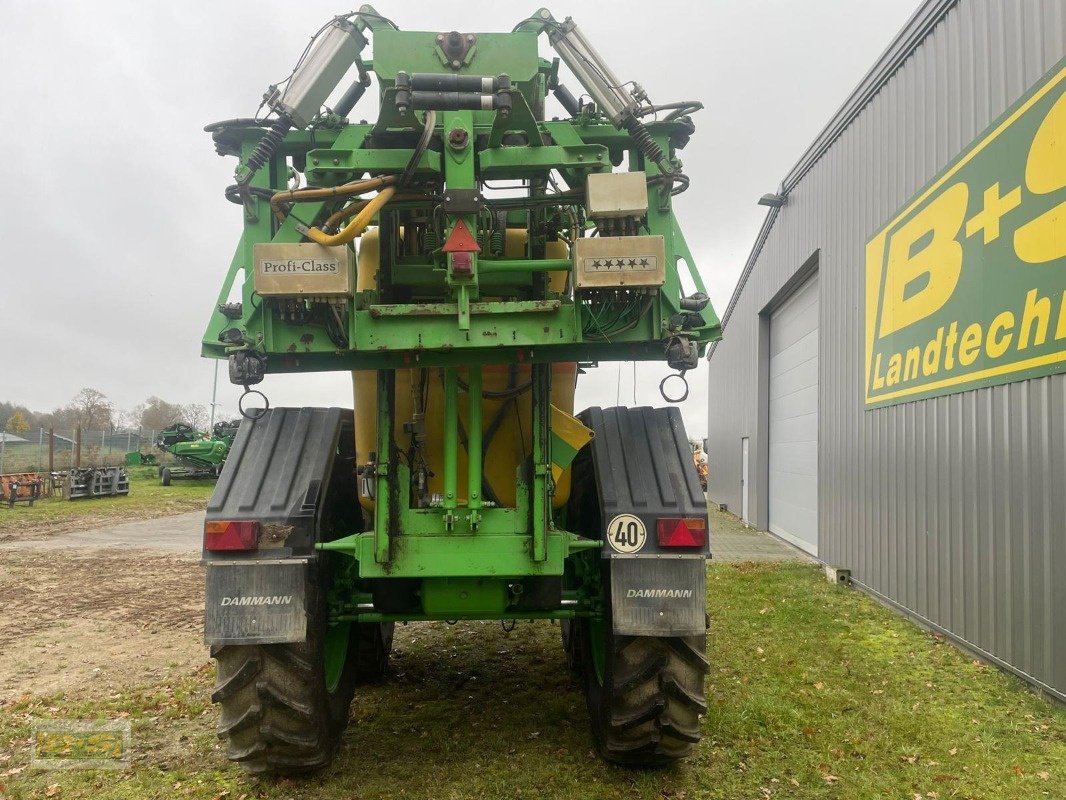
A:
(80, 744)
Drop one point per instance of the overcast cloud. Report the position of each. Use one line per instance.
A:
(116, 236)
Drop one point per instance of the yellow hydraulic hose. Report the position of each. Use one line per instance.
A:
(337, 217)
(349, 210)
(300, 195)
(358, 223)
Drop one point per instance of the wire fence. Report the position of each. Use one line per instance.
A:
(54, 450)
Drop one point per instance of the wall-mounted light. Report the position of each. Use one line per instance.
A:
(773, 200)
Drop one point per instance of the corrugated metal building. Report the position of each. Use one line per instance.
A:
(888, 394)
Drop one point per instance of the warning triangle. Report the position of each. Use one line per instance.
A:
(684, 532)
(683, 536)
(460, 240)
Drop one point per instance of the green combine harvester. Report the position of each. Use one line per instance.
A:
(196, 455)
(465, 259)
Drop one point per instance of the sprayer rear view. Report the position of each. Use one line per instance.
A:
(466, 260)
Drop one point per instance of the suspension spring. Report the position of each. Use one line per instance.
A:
(644, 142)
(431, 238)
(268, 145)
(496, 238)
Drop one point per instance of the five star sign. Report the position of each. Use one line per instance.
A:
(600, 264)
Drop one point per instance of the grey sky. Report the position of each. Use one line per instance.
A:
(116, 236)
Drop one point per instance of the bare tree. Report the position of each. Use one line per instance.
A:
(92, 409)
(62, 419)
(195, 414)
(129, 418)
(156, 414)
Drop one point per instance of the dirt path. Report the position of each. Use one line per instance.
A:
(122, 605)
(176, 533)
(108, 617)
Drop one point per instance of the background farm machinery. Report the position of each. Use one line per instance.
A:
(196, 454)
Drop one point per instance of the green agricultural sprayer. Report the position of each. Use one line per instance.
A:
(196, 455)
(465, 259)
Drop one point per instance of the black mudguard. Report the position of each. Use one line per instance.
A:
(292, 471)
(642, 465)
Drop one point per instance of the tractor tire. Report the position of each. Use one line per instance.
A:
(374, 647)
(569, 631)
(278, 715)
(646, 695)
(164, 476)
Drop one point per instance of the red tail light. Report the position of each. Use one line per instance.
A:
(681, 531)
(231, 535)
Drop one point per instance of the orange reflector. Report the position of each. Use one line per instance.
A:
(231, 535)
(681, 531)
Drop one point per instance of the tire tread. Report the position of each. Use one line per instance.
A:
(269, 717)
(655, 700)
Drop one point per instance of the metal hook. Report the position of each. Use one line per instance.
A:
(252, 413)
(662, 388)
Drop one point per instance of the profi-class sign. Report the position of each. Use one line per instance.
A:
(302, 270)
(966, 286)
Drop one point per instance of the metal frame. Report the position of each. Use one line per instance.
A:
(455, 310)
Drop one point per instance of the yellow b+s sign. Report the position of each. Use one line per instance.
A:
(966, 286)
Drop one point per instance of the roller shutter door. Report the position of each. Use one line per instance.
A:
(793, 478)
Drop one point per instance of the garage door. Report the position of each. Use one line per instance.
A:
(793, 490)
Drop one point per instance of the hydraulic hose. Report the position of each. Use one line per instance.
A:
(344, 190)
(423, 145)
(358, 223)
(364, 210)
(337, 217)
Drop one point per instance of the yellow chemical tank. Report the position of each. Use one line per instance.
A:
(511, 416)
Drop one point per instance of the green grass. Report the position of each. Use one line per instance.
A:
(815, 692)
(147, 499)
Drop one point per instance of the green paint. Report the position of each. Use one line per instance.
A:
(343, 165)
(588, 158)
(451, 438)
(541, 500)
(966, 286)
(193, 450)
(451, 312)
(473, 447)
(383, 517)
(468, 596)
(416, 51)
(498, 328)
(509, 615)
(562, 453)
(457, 555)
(336, 653)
